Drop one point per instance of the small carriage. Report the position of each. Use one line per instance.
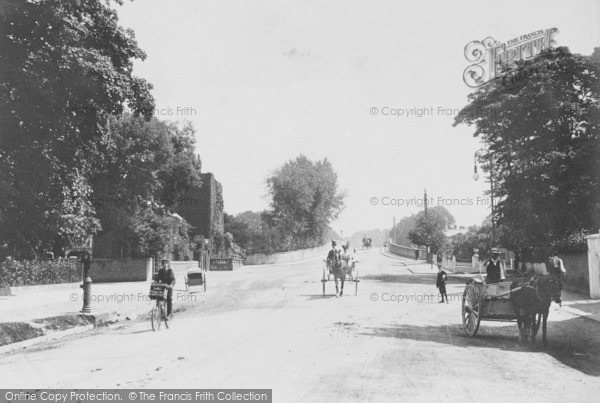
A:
(483, 301)
(351, 275)
(195, 277)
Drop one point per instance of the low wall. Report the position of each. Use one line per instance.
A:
(578, 276)
(405, 251)
(288, 257)
(34, 289)
(115, 270)
(593, 242)
(225, 264)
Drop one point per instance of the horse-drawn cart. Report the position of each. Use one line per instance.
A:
(350, 275)
(483, 301)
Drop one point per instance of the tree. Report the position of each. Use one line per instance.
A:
(305, 199)
(66, 66)
(144, 167)
(543, 137)
(431, 228)
(401, 230)
(239, 229)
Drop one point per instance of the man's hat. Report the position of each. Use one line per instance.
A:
(333, 243)
(495, 250)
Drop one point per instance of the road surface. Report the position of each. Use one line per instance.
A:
(271, 327)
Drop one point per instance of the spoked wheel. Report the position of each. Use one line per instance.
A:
(471, 309)
(163, 308)
(155, 318)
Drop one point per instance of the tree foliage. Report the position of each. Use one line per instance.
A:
(543, 146)
(66, 66)
(143, 170)
(305, 199)
(430, 228)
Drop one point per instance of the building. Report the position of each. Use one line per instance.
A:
(202, 207)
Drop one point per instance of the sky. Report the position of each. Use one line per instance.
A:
(265, 81)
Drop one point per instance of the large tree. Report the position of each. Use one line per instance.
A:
(541, 127)
(305, 199)
(65, 67)
(144, 168)
(430, 228)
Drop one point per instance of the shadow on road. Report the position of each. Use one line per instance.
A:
(410, 278)
(318, 296)
(574, 342)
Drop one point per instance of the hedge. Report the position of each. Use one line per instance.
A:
(37, 272)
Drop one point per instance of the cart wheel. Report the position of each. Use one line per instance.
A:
(471, 309)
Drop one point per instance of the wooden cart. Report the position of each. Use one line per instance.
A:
(483, 301)
(350, 277)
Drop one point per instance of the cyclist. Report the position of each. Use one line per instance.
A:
(166, 276)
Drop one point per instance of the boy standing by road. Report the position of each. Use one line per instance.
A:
(441, 283)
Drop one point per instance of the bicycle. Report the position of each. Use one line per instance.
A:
(158, 292)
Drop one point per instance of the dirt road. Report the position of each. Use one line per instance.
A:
(270, 327)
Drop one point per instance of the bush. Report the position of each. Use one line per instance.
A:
(571, 243)
(36, 272)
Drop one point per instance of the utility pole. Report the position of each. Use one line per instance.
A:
(476, 177)
(394, 229)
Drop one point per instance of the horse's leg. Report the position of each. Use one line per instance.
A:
(545, 318)
(526, 326)
(342, 280)
(520, 326)
(536, 327)
(335, 279)
(519, 320)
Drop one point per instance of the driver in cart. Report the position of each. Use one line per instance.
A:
(332, 257)
(347, 259)
(494, 268)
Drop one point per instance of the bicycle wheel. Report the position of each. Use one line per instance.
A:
(163, 311)
(155, 317)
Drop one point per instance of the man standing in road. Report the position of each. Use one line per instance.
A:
(556, 267)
